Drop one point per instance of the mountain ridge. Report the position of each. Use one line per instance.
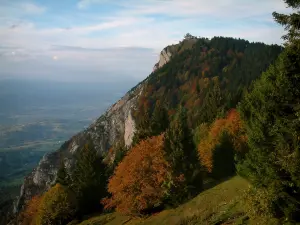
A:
(120, 122)
(111, 123)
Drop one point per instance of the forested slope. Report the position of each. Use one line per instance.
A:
(207, 77)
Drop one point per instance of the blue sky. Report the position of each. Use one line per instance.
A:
(118, 39)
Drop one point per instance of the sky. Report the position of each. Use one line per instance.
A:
(109, 40)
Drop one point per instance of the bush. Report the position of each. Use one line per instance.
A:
(258, 202)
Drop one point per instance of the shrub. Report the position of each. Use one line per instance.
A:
(258, 202)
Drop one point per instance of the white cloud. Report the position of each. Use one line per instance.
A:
(13, 10)
(146, 26)
(78, 30)
(198, 8)
(83, 4)
(32, 8)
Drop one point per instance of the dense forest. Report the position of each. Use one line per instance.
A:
(220, 107)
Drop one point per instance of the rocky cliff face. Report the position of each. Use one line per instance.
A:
(116, 124)
(168, 52)
(164, 58)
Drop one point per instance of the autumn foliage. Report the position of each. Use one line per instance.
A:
(233, 127)
(138, 182)
(28, 216)
(57, 206)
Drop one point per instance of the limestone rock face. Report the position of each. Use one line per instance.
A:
(129, 130)
(116, 124)
(164, 58)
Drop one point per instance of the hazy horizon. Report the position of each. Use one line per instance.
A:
(100, 40)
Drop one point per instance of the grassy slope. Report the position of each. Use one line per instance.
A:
(218, 205)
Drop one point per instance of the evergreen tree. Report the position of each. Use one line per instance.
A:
(62, 175)
(223, 157)
(159, 120)
(271, 112)
(89, 179)
(182, 156)
(120, 152)
(143, 128)
(212, 104)
(290, 22)
(152, 125)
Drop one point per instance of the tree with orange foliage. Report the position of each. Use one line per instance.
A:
(138, 182)
(225, 138)
(28, 216)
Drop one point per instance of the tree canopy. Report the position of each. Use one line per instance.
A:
(57, 206)
(89, 179)
(137, 183)
(271, 112)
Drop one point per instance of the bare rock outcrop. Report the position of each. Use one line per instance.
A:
(114, 125)
(164, 58)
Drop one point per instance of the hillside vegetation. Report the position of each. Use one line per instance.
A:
(218, 205)
(207, 78)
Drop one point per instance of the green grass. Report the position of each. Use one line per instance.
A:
(215, 206)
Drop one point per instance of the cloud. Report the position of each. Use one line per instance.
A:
(83, 4)
(122, 36)
(33, 8)
(14, 9)
(14, 26)
(81, 49)
(195, 8)
(105, 25)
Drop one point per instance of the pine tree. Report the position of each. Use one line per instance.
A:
(63, 176)
(143, 129)
(152, 125)
(89, 179)
(159, 120)
(120, 152)
(271, 112)
(212, 103)
(182, 156)
(290, 22)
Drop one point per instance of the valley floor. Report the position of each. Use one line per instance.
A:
(218, 205)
